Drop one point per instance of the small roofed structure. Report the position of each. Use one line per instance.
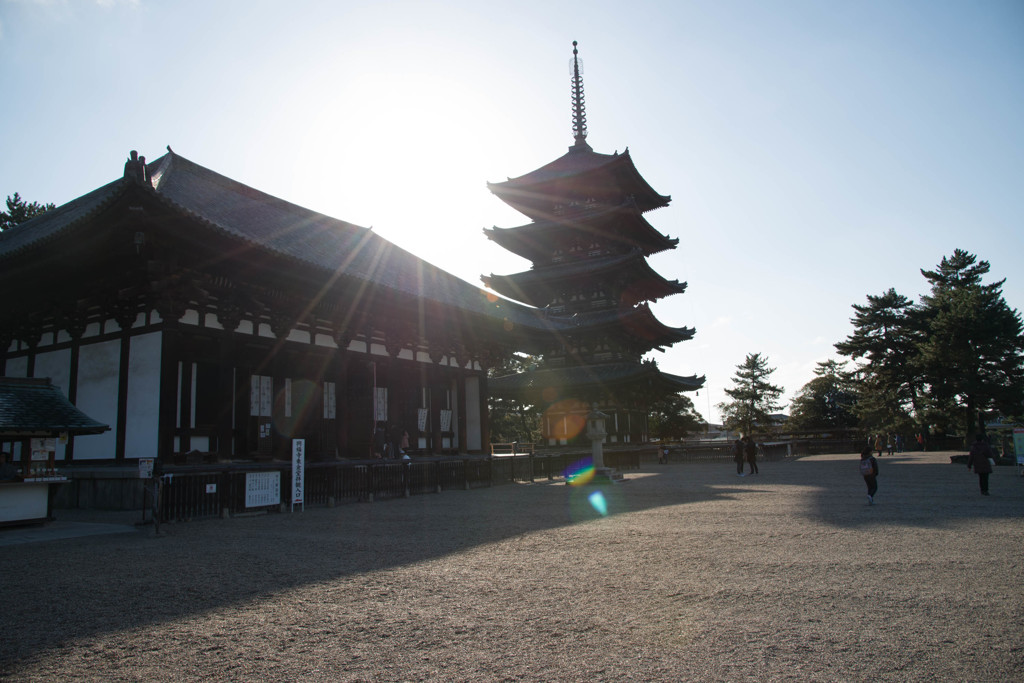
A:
(33, 413)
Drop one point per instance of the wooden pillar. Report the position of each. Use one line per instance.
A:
(122, 395)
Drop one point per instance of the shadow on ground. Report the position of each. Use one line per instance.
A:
(57, 592)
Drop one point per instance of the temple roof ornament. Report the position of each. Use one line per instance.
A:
(579, 113)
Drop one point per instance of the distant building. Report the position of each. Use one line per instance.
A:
(588, 241)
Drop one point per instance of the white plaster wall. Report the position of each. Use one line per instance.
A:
(17, 367)
(143, 418)
(57, 366)
(474, 429)
(325, 340)
(97, 397)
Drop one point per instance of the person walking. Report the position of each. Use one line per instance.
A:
(879, 445)
(981, 459)
(737, 455)
(869, 470)
(750, 450)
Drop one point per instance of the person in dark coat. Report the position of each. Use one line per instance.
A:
(869, 470)
(737, 455)
(979, 460)
(750, 450)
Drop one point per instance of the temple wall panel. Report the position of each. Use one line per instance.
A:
(325, 341)
(142, 422)
(474, 423)
(263, 330)
(57, 366)
(17, 367)
(98, 368)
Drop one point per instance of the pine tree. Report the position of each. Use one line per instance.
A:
(674, 417)
(973, 356)
(754, 398)
(19, 211)
(827, 402)
(886, 339)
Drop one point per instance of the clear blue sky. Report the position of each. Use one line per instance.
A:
(816, 152)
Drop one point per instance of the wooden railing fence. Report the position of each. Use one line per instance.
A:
(210, 490)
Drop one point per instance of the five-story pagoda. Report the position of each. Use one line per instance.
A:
(588, 241)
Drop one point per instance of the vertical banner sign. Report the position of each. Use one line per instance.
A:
(421, 419)
(298, 473)
(1018, 443)
(381, 406)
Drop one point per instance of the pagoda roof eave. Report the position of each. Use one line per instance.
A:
(535, 286)
(535, 192)
(622, 224)
(534, 385)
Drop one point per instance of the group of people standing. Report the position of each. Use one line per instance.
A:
(890, 443)
(390, 443)
(745, 450)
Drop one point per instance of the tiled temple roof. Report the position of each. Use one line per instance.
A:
(35, 407)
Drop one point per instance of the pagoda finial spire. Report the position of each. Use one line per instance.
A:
(579, 113)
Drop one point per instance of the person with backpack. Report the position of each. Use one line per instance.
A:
(869, 470)
(981, 459)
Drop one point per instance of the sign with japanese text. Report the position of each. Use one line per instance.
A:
(262, 488)
(298, 472)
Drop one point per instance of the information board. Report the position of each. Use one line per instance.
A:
(262, 488)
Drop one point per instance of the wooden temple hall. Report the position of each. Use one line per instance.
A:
(195, 315)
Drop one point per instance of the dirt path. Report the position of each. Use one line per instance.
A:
(693, 574)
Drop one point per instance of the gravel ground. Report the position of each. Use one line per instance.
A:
(693, 574)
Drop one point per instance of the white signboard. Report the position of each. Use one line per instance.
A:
(41, 448)
(266, 396)
(262, 488)
(298, 472)
(145, 468)
(446, 420)
(421, 419)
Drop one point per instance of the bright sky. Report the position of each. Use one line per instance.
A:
(816, 152)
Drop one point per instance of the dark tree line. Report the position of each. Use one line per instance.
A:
(948, 363)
